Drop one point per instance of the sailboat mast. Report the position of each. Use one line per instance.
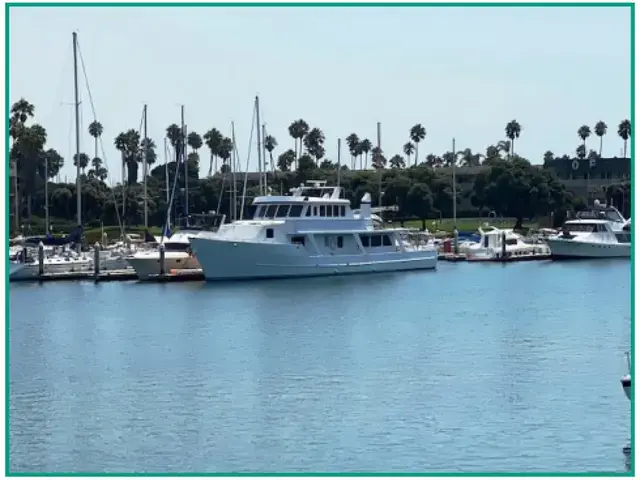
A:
(166, 181)
(258, 143)
(264, 159)
(234, 156)
(77, 113)
(186, 167)
(453, 147)
(339, 150)
(144, 170)
(46, 194)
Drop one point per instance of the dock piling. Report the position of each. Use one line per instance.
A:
(455, 241)
(40, 259)
(161, 248)
(96, 261)
(504, 245)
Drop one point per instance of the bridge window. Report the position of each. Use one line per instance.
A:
(308, 214)
(343, 210)
(295, 210)
(365, 240)
(376, 241)
(271, 211)
(386, 241)
(340, 241)
(282, 211)
(323, 212)
(269, 232)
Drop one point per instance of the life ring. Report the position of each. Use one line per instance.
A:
(575, 164)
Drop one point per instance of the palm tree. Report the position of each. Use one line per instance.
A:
(97, 170)
(21, 111)
(149, 146)
(270, 144)
(226, 147)
(504, 146)
(84, 161)
(194, 140)
(584, 132)
(378, 160)
(352, 142)
(365, 147)
(314, 143)
(298, 130)
(417, 134)
(548, 157)
(408, 150)
(286, 159)
(396, 161)
(624, 131)
(512, 131)
(28, 152)
(95, 130)
(212, 139)
(581, 152)
(128, 144)
(600, 130)
(176, 139)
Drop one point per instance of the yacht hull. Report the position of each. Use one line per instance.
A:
(571, 249)
(228, 260)
(148, 266)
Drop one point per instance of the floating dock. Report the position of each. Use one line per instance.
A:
(183, 275)
(104, 276)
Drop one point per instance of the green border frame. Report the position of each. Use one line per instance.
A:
(241, 4)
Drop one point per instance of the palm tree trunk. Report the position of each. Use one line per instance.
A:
(625, 149)
(95, 150)
(600, 153)
(415, 163)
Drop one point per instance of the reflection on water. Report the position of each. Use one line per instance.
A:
(470, 368)
(627, 457)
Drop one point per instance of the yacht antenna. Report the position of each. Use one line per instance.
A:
(259, 145)
(246, 173)
(339, 149)
(144, 170)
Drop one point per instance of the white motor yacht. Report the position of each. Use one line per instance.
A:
(601, 232)
(177, 256)
(312, 232)
(501, 244)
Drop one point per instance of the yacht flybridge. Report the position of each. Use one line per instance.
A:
(601, 232)
(311, 232)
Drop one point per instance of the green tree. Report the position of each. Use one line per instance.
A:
(624, 131)
(420, 202)
(365, 147)
(298, 130)
(600, 130)
(286, 159)
(584, 132)
(212, 139)
(128, 144)
(408, 150)
(512, 131)
(306, 164)
(353, 142)
(417, 134)
(270, 144)
(95, 130)
(581, 152)
(396, 161)
(314, 144)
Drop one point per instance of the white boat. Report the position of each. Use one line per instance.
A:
(501, 244)
(626, 380)
(67, 262)
(312, 232)
(601, 232)
(177, 256)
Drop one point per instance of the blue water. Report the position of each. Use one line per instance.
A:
(471, 368)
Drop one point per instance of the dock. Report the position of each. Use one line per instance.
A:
(189, 275)
(105, 276)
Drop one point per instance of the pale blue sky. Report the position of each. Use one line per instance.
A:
(461, 72)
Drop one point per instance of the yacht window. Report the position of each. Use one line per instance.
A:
(315, 211)
(386, 241)
(295, 210)
(282, 211)
(343, 211)
(255, 211)
(365, 239)
(579, 227)
(308, 214)
(323, 212)
(511, 241)
(269, 232)
(271, 210)
(336, 210)
(340, 241)
(298, 240)
(376, 240)
(601, 228)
